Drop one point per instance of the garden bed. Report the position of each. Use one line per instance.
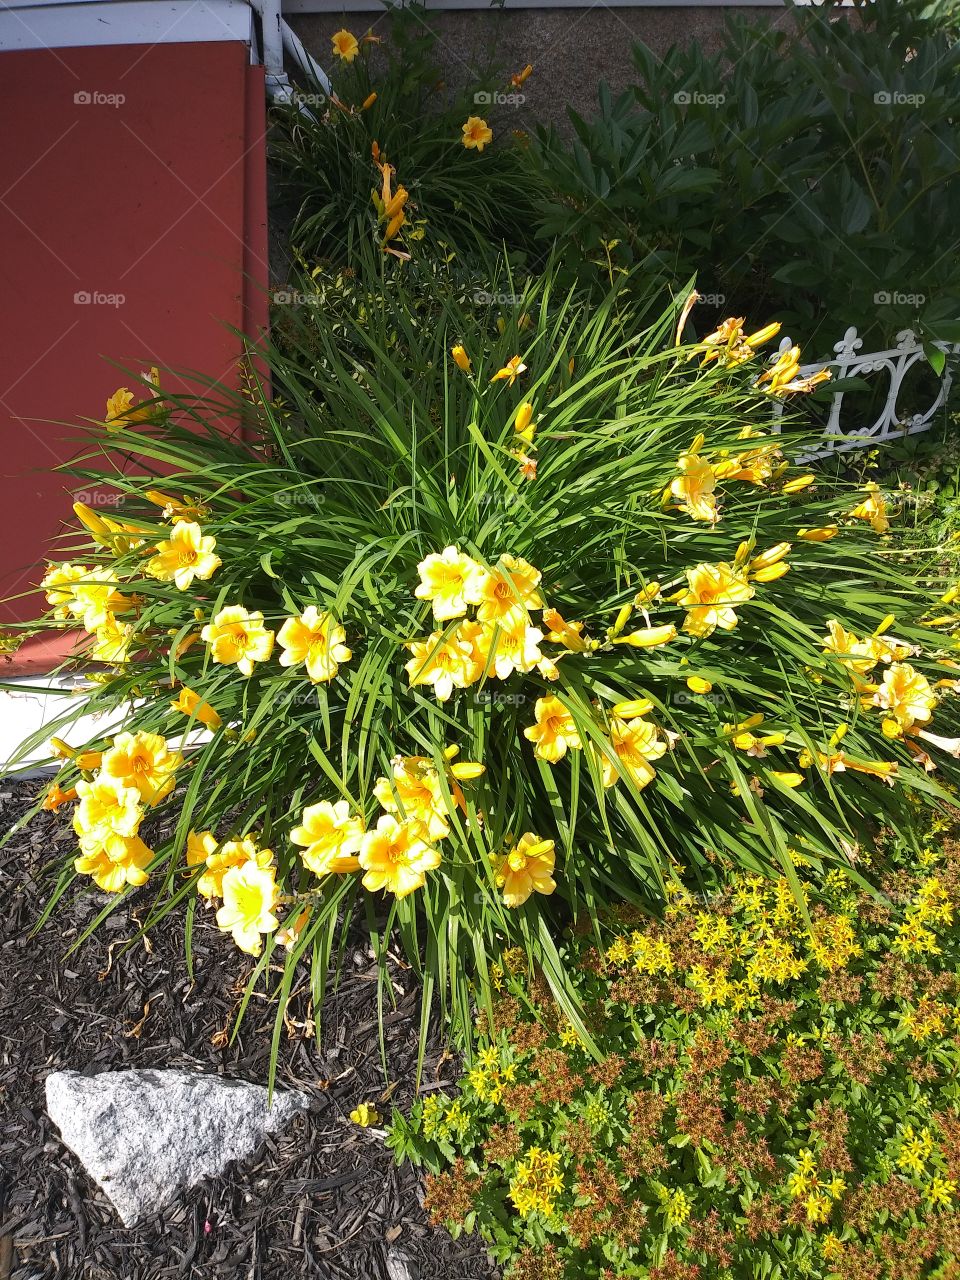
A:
(324, 1199)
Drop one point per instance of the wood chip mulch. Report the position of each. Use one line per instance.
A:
(324, 1199)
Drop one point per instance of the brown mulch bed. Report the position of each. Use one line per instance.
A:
(324, 1199)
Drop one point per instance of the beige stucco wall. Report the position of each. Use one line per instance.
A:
(571, 49)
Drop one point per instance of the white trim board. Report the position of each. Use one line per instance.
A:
(440, 6)
(48, 24)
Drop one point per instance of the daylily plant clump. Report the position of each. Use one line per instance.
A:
(534, 616)
(777, 1097)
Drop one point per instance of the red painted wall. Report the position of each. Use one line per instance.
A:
(134, 178)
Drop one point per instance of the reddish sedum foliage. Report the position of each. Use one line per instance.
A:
(764, 1096)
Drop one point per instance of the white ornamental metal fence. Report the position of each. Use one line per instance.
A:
(894, 364)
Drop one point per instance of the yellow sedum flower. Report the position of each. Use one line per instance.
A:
(185, 555)
(476, 133)
(143, 762)
(330, 837)
(238, 637)
(315, 640)
(395, 856)
(714, 591)
(526, 869)
(554, 732)
(365, 1115)
(250, 896)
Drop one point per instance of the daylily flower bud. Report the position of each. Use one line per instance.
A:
(523, 418)
(772, 573)
(467, 771)
(799, 483)
(787, 779)
(650, 637)
(823, 534)
(649, 592)
(449, 753)
(623, 617)
(635, 707)
(697, 684)
(772, 556)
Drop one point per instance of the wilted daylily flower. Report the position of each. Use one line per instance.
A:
(510, 371)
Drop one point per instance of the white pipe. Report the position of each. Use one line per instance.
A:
(277, 82)
(294, 46)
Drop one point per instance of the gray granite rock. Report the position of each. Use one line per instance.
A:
(143, 1135)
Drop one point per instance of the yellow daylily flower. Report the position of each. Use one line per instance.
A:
(526, 869)
(239, 637)
(345, 45)
(144, 762)
(444, 578)
(694, 487)
(555, 730)
(330, 837)
(873, 509)
(185, 555)
(504, 593)
(221, 857)
(636, 742)
(122, 861)
(413, 791)
(906, 695)
(510, 371)
(396, 857)
(250, 896)
(476, 133)
(714, 591)
(315, 640)
(107, 808)
(447, 664)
